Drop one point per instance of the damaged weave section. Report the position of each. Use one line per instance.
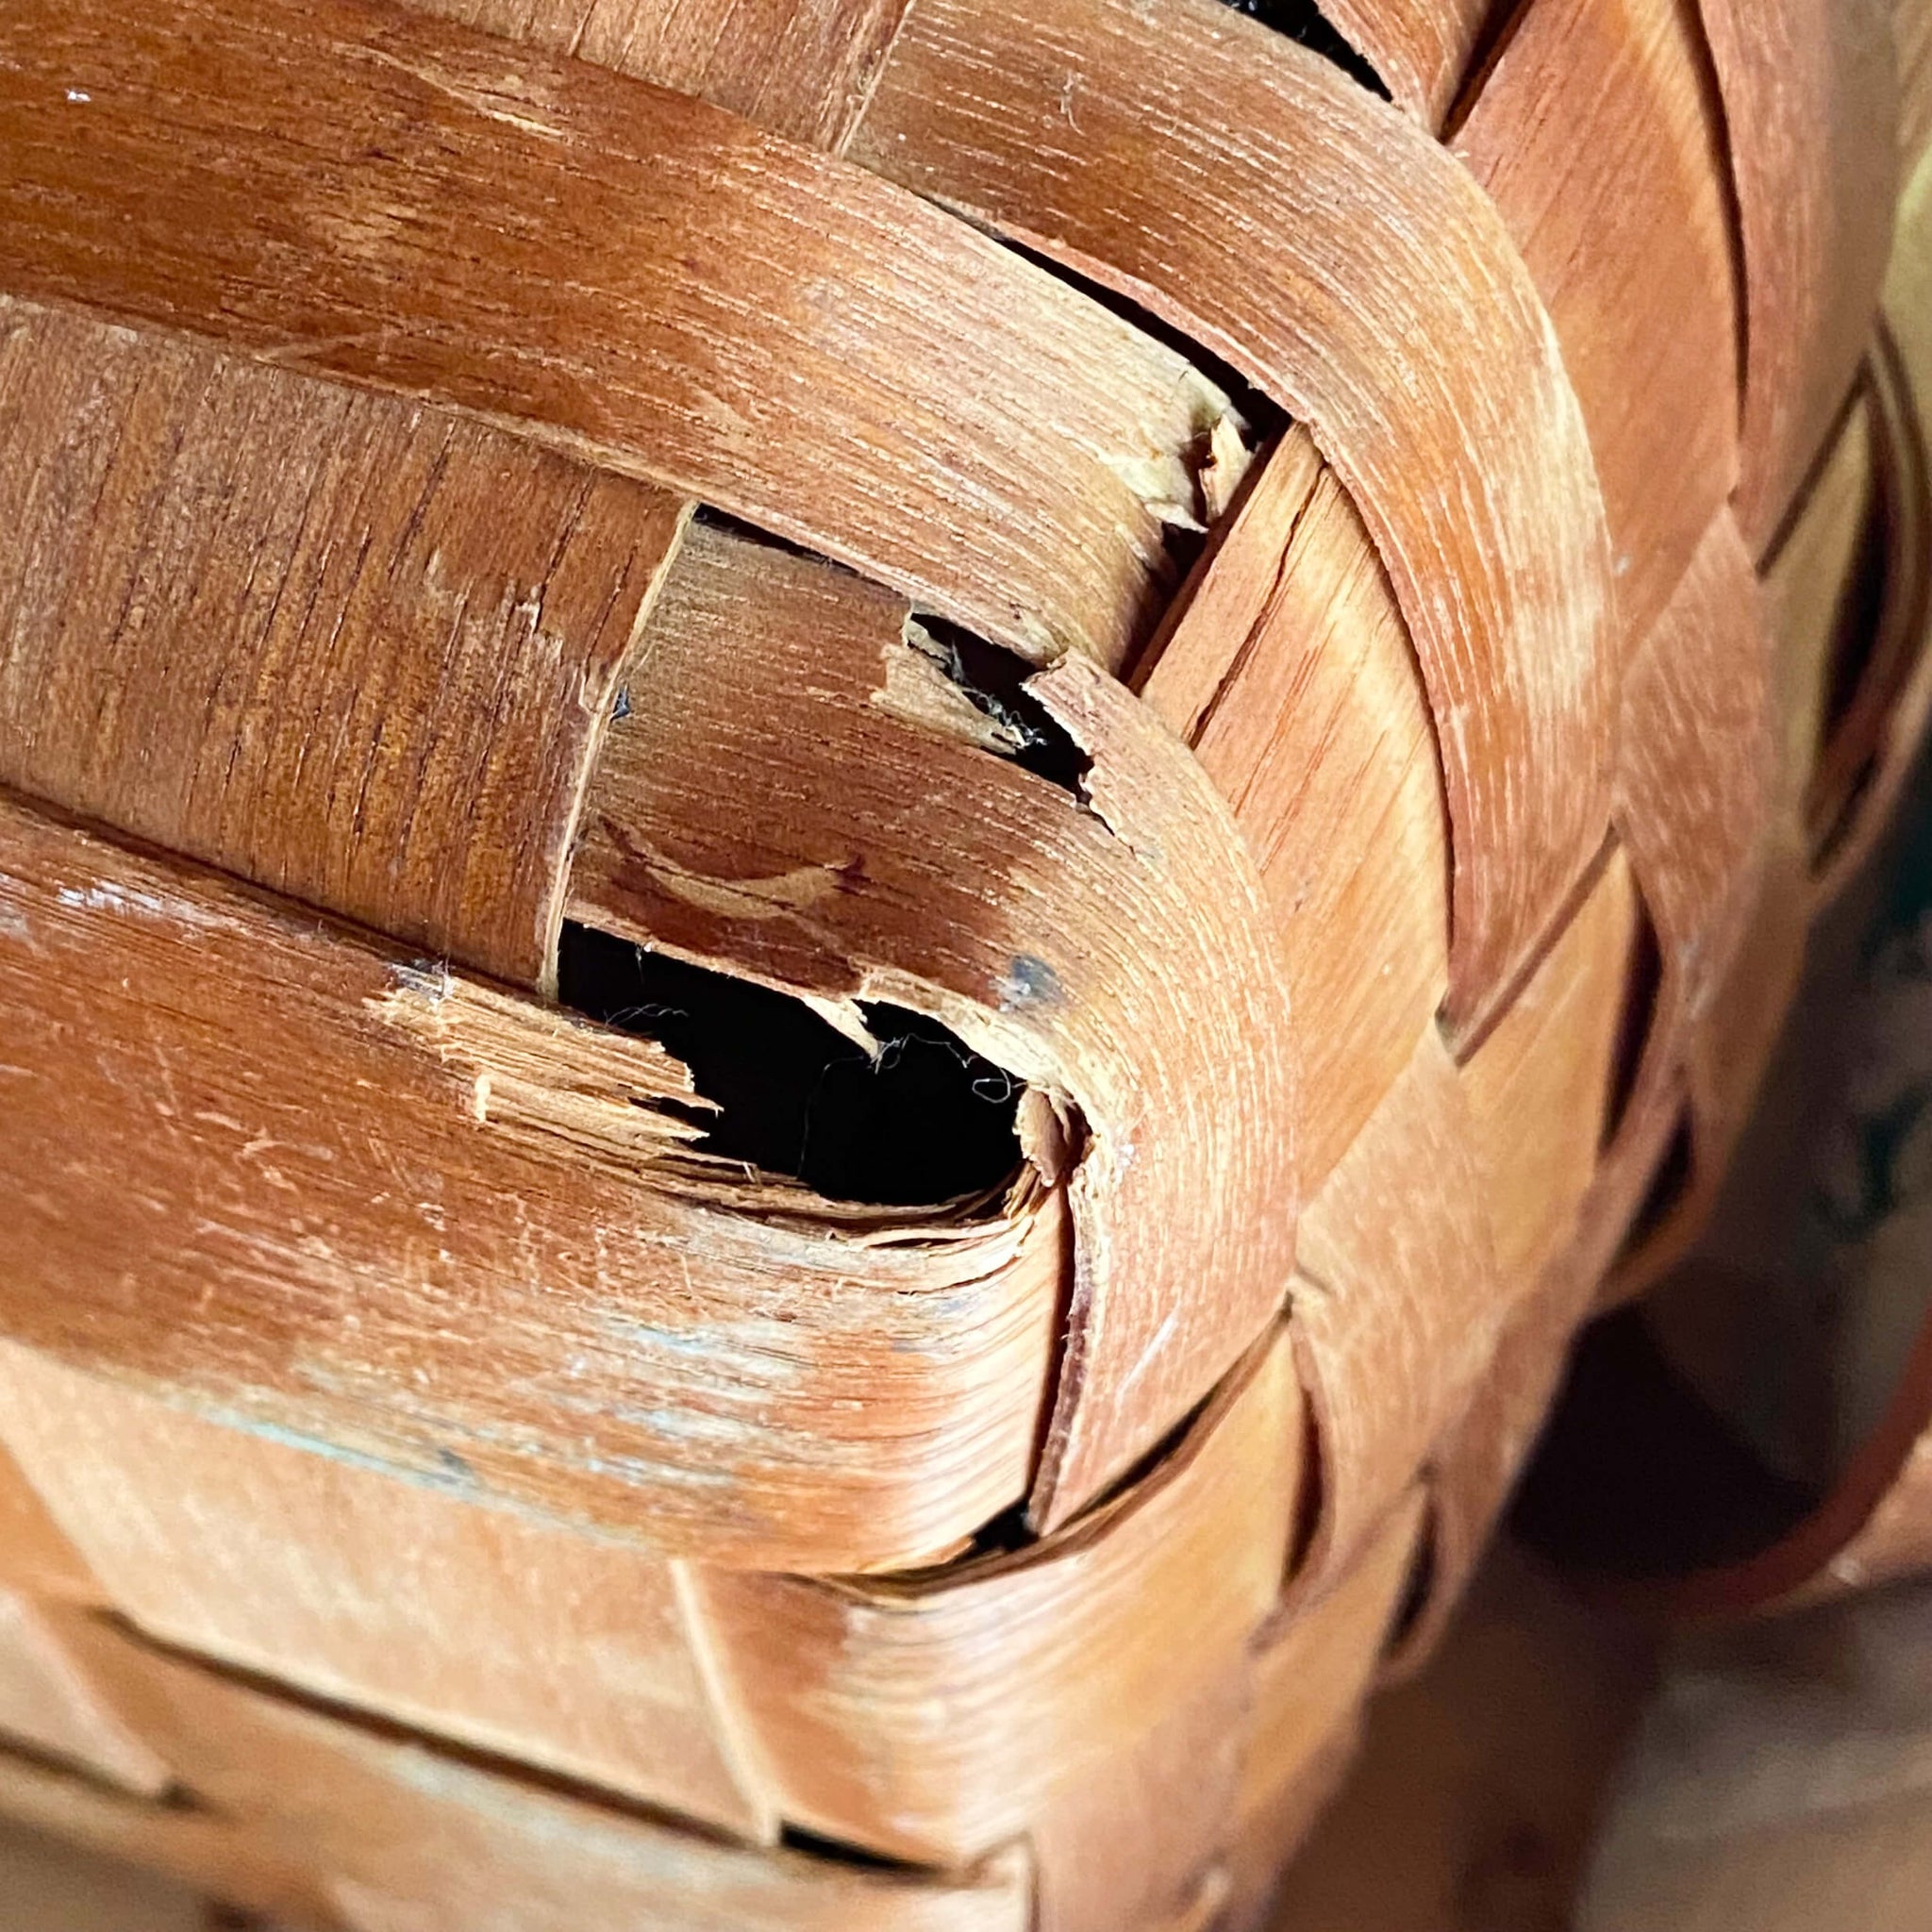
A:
(546, 1074)
(1111, 950)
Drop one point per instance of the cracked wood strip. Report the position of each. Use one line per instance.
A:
(1250, 194)
(354, 650)
(1697, 777)
(1599, 135)
(1112, 950)
(1810, 96)
(1399, 1302)
(49, 1703)
(550, 1646)
(631, 275)
(288, 1179)
(934, 1718)
(1421, 48)
(401, 1836)
(1290, 675)
(1539, 1087)
(801, 68)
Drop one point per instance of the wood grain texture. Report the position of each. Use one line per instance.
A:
(1290, 675)
(1398, 1302)
(1698, 774)
(1539, 1087)
(801, 68)
(1309, 1681)
(1247, 192)
(1421, 48)
(614, 270)
(1138, 1839)
(542, 1645)
(1810, 95)
(1113, 950)
(411, 1839)
(1477, 1462)
(1599, 135)
(932, 1719)
(355, 650)
(49, 1703)
(269, 1169)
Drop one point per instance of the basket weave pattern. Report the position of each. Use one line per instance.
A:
(1310, 633)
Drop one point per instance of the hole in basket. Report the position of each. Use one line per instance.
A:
(1305, 23)
(926, 1123)
(1643, 983)
(1639, 1475)
(994, 681)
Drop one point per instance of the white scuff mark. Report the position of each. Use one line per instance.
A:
(80, 97)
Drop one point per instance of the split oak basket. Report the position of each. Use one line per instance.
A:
(855, 860)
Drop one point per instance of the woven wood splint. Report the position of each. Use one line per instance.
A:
(855, 860)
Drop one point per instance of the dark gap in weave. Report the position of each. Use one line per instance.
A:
(1313, 1497)
(1668, 1185)
(1305, 23)
(1643, 982)
(925, 1124)
(994, 682)
(1856, 620)
(991, 677)
(832, 1851)
(1418, 1586)
(1638, 1476)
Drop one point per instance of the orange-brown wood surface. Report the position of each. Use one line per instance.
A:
(930, 1719)
(269, 1163)
(190, 1845)
(35, 1555)
(1599, 135)
(1399, 1302)
(1539, 1087)
(762, 494)
(1810, 96)
(1290, 675)
(49, 1703)
(393, 211)
(1127, 968)
(415, 1840)
(1243, 189)
(1698, 774)
(801, 68)
(563, 1651)
(370, 673)
(1420, 49)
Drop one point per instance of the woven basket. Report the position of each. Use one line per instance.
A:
(856, 857)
